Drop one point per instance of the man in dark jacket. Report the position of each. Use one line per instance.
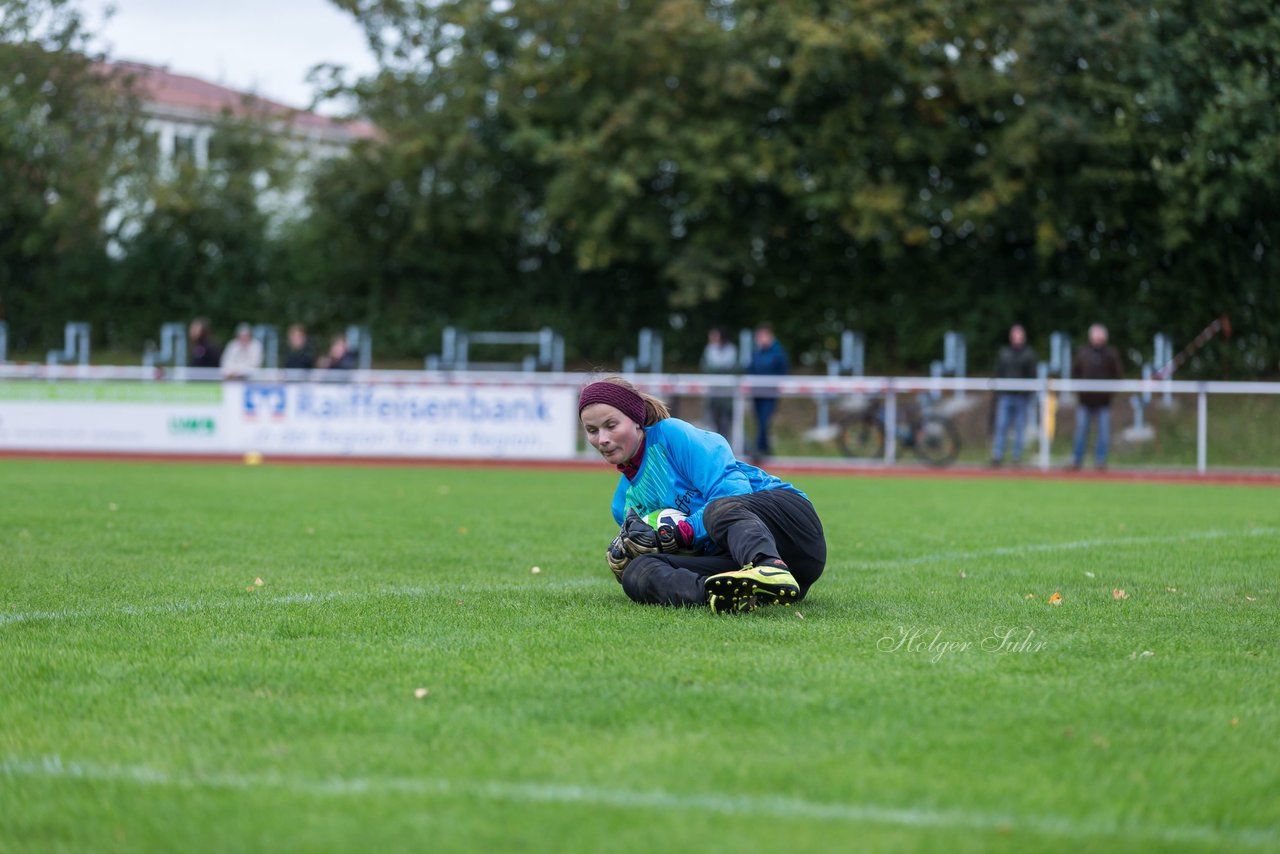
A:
(768, 359)
(300, 356)
(341, 357)
(1018, 362)
(1094, 361)
(202, 348)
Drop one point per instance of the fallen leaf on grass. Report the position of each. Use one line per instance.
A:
(420, 693)
(1119, 594)
(962, 574)
(1056, 598)
(535, 570)
(799, 615)
(257, 582)
(1251, 599)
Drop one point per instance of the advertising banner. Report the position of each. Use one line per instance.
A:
(302, 419)
(112, 416)
(348, 419)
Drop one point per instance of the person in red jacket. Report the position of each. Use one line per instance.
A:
(202, 348)
(1095, 361)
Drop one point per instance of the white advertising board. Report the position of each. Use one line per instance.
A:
(341, 419)
(303, 419)
(111, 416)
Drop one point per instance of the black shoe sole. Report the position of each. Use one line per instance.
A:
(739, 591)
(736, 591)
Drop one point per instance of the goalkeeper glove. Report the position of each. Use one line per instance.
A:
(675, 538)
(617, 557)
(639, 538)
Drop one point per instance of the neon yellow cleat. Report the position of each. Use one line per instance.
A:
(747, 588)
(728, 596)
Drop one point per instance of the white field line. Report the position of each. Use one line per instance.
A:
(12, 618)
(149, 610)
(1068, 546)
(54, 767)
(262, 601)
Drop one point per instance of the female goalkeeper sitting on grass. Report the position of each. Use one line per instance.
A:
(747, 539)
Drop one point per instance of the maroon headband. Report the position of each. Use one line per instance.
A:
(623, 399)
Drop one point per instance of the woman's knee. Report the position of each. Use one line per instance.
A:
(807, 564)
(637, 577)
(720, 513)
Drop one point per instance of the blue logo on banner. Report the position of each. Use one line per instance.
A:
(264, 400)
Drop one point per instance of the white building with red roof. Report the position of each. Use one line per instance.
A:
(183, 112)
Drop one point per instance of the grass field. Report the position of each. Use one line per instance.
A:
(926, 696)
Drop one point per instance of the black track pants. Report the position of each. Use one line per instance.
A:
(776, 523)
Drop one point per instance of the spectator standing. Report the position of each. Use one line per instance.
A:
(202, 347)
(340, 358)
(243, 354)
(1097, 360)
(300, 356)
(720, 356)
(1016, 361)
(768, 359)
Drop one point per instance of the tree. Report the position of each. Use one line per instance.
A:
(902, 169)
(63, 123)
(202, 241)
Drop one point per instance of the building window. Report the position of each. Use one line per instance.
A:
(184, 149)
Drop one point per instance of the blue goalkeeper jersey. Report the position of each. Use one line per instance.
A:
(687, 468)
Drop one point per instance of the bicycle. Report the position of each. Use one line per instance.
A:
(933, 437)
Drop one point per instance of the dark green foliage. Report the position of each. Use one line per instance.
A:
(898, 169)
(902, 169)
(202, 242)
(64, 127)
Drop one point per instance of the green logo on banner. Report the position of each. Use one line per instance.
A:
(192, 426)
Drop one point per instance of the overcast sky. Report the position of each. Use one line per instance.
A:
(260, 46)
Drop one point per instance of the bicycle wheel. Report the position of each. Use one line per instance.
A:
(861, 436)
(937, 441)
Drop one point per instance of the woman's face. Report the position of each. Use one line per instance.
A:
(611, 433)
